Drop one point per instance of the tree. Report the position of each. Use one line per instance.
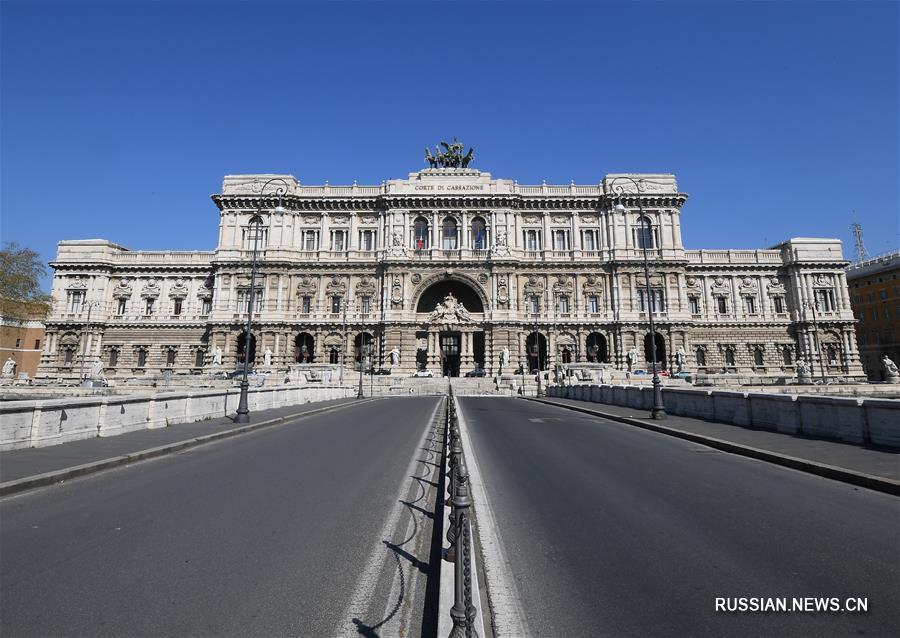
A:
(21, 270)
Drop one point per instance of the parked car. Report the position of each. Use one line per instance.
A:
(382, 371)
(638, 372)
(682, 375)
(477, 372)
(423, 373)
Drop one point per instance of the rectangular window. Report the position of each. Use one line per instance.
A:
(148, 306)
(310, 241)
(694, 303)
(564, 304)
(588, 240)
(779, 304)
(532, 240)
(254, 237)
(243, 300)
(206, 307)
(722, 305)
(113, 358)
(18, 343)
(367, 240)
(750, 305)
(37, 344)
(874, 314)
(364, 304)
(74, 301)
(335, 304)
(825, 300)
(534, 305)
(142, 358)
(869, 297)
(559, 240)
(170, 358)
(593, 304)
(120, 306)
(305, 305)
(176, 306)
(69, 352)
(657, 300)
(339, 240)
(886, 314)
(198, 358)
(882, 294)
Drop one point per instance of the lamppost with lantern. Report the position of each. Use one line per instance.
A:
(87, 335)
(536, 346)
(658, 411)
(813, 306)
(254, 227)
(363, 353)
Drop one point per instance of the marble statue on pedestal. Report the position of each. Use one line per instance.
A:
(891, 373)
(680, 358)
(395, 357)
(267, 357)
(632, 357)
(9, 367)
(217, 356)
(97, 369)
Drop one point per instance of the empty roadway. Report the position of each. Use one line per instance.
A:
(267, 534)
(613, 530)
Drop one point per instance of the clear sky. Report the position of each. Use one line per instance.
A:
(119, 119)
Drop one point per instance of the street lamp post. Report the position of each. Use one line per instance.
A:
(87, 334)
(363, 353)
(537, 344)
(254, 226)
(658, 411)
(813, 306)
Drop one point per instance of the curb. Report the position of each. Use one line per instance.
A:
(870, 481)
(48, 478)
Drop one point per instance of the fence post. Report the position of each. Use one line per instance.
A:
(463, 612)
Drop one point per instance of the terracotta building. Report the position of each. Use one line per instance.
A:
(22, 339)
(875, 298)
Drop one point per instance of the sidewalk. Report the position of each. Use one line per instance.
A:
(883, 463)
(27, 462)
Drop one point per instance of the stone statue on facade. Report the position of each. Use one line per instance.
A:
(804, 374)
(451, 157)
(97, 369)
(501, 246)
(9, 367)
(450, 311)
(891, 373)
(680, 358)
(395, 357)
(267, 357)
(397, 249)
(504, 357)
(217, 356)
(632, 357)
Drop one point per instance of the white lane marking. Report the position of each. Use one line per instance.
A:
(367, 584)
(506, 609)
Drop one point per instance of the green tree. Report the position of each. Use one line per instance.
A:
(21, 270)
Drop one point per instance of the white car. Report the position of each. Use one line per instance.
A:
(423, 373)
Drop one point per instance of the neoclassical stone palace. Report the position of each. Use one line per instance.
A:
(458, 270)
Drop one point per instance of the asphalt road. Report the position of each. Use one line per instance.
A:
(611, 530)
(315, 528)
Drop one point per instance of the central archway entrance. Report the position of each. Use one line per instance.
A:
(660, 350)
(437, 292)
(450, 353)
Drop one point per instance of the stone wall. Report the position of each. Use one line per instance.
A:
(850, 419)
(49, 422)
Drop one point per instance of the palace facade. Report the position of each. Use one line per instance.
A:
(458, 270)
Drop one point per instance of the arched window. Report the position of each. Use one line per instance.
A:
(757, 357)
(566, 355)
(334, 356)
(479, 234)
(700, 354)
(643, 233)
(831, 353)
(787, 356)
(420, 233)
(448, 234)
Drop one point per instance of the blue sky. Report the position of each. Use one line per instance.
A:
(119, 119)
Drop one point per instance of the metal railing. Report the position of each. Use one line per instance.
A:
(459, 533)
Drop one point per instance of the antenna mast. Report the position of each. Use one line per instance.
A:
(861, 252)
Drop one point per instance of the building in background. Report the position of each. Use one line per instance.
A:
(875, 297)
(457, 269)
(22, 337)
